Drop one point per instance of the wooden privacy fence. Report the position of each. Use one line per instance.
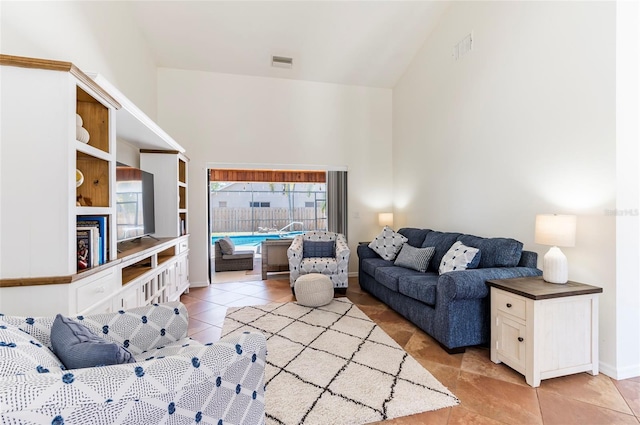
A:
(254, 219)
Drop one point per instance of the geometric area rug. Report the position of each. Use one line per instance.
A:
(334, 365)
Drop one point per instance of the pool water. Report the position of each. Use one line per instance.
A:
(256, 239)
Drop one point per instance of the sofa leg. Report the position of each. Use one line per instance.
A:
(341, 291)
(457, 350)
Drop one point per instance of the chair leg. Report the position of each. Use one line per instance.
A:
(341, 291)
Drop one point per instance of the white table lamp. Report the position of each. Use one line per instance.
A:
(555, 230)
(385, 219)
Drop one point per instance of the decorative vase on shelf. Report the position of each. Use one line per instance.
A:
(79, 178)
(82, 135)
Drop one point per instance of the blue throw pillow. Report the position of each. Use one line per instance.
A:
(77, 347)
(322, 249)
(496, 252)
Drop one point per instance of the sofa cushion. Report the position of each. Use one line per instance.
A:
(415, 236)
(78, 347)
(227, 246)
(324, 265)
(388, 243)
(369, 265)
(441, 241)
(460, 257)
(320, 249)
(496, 252)
(388, 276)
(21, 353)
(238, 255)
(419, 287)
(414, 258)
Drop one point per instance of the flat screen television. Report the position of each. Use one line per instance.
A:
(135, 215)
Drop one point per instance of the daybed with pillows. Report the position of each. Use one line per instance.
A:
(437, 279)
(130, 367)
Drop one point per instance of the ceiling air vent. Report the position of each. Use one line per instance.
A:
(281, 62)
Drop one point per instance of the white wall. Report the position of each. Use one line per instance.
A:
(222, 118)
(97, 36)
(523, 124)
(628, 191)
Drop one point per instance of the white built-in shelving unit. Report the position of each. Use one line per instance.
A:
(40, 202)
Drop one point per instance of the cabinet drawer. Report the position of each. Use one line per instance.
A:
(511, 304)
(183, 246)
(94, 291)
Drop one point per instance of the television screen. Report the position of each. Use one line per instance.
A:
(135, 215)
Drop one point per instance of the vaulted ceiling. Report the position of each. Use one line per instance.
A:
(367, 43)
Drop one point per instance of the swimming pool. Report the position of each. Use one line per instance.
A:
(256, 239)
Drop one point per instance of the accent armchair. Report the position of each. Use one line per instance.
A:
(320, 252)
(175, 379)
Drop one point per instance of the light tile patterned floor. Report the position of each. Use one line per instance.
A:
(489, 393)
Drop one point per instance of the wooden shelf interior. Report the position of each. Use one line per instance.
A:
(134, 270)
(95, 189)
(182, 201)
(182, 171)
(167, 254)
(182, 218)
(95, 119)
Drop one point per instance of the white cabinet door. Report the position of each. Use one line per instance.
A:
(511, 342)
(129, 298)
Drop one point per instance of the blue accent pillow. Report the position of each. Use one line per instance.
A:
(496, 252)
(322, 249)
(77, 347)
(442, 241)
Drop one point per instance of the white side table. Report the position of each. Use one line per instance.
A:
(544, 330)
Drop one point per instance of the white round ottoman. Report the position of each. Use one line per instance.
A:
(313, 290)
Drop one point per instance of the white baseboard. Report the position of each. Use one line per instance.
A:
(199, 284)
(352, 274)
(618, 374)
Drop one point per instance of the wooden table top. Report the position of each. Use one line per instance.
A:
(536, 288)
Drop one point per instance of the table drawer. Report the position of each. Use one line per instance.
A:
(511, 304)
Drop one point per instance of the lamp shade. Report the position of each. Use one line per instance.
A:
(555, 230)
(385, 219)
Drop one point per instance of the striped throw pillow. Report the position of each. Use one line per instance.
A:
(414, 258)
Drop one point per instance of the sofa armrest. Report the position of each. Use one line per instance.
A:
(138, 329)
(342, 248)
(470, 284)
(294, 252)
(230, 371)
(294, 255)
(528, 259)
(364, 251)
(143, 328)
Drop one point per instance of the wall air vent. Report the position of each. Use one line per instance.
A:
(281, 62)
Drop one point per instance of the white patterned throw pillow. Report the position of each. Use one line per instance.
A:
(414, 258)
(459, 257)
(388, 243)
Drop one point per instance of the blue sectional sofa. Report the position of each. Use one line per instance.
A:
(452, 307)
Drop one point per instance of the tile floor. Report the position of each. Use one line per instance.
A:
(489, 393)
